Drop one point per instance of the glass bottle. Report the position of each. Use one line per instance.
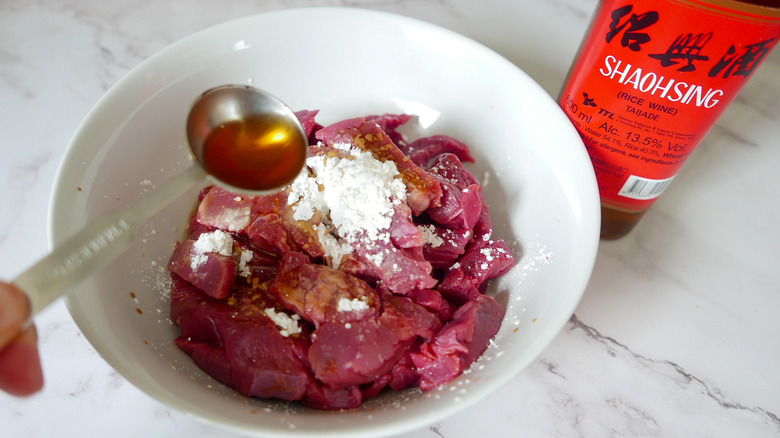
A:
(649, 81)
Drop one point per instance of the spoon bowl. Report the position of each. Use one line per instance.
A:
(246, 139)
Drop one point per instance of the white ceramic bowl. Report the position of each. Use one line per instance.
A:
(539, 186)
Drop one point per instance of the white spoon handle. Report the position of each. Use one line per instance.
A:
(97, 244)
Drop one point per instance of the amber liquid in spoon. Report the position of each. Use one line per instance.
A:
(256, 153)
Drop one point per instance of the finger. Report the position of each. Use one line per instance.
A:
(14, 311)
(20, 365)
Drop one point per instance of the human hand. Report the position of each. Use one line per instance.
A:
(20, 365)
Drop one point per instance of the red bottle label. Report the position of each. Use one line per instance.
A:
(651, 79)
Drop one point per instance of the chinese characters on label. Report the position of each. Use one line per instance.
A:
(741, 64)
(686, 49)
(631, 38)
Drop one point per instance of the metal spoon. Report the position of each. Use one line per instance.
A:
(106, 238)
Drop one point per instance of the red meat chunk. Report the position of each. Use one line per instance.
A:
(445, 246)
(340, 361)
(459, 343)
(462, 202)
(268, 233)
(397, 261)
(389, 123)
(215, 275)
(225, 210)
(314, 291)
(484, 260)
(241, 347)
(433, 301)
(459, 209)
(307, 119)
(319, 396)
(422, 150)
(449, 167)
(273, 229)
(234, 213)
(360, 352)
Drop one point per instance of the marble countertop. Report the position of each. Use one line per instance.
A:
(676, 335)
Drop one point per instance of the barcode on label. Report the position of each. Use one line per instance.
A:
(644, 188)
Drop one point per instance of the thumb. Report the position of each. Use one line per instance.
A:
(20, 365)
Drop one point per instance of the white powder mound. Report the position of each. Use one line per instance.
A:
(288, 325)
(243, 267)
(430, 236)
(334, 248)
(347, 305)
(306, 193)
(356, 195)
(216, 241)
